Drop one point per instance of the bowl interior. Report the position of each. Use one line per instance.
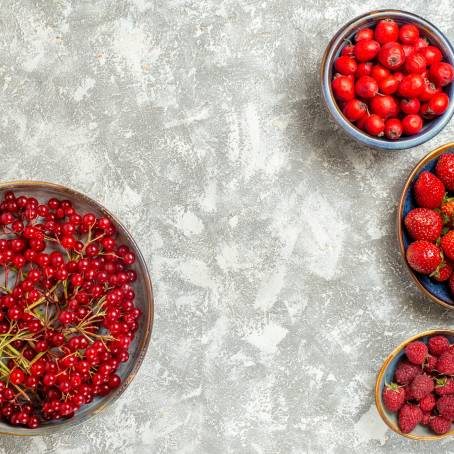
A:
(438, 289)
(386, 376)
(144, 301)
(428, 31)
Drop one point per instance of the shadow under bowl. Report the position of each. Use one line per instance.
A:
(346, 33)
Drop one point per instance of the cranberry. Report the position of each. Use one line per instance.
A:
(408, 34)
(412, 124)
(366, 50)
(386, 31)
(391, 55)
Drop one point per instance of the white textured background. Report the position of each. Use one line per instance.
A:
(270, 235)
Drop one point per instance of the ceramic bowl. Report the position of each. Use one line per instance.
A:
(429, 31)
(386, 375)
(436, 291)
(144, 301)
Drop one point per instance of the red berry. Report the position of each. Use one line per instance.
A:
(348, 50)
(441, 73)
(421, 386)
(343, 88)
(410, 105)
(391, 55)
(409, 417)
(428, 91)
(384, 106)
(438, 103)
(344, 65)
(432, 54)
(393, 129)
(364, 69)
(440, 425)
(445, 406)
(16, 377)
(408, 34)
(445, 170)
(366, 50)
(412, 124)
(445, 363)
(423, 257)
(427, 403)
(424, 224)
(429, 191)
(416, 351)
(411, 86)
(415, 63)
(354, 109)
(386, 31)
(444, 272)
(421, 43)
(375, 125)
(408, 50)
(366, 87)
(393, 397)
(365, 33)
(378, 72)
(444, 386)
(388, 85)
(447, 244)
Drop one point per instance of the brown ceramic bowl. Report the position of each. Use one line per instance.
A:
(144, 301)
(386, 375)
(437, 291)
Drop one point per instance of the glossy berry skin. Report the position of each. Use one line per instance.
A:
(366, 50)
(444, 272)
(441, 73)
(432, 54)
(412, 124)
(16, 377)
(391, 55)
(415, 63)
(388, 85)
(429, 190)
(365, 33)
(408, 34)
(379, 72)
(445, 170)
(410, 105)
(438, 104)
(345, 65)
(428, 91)
(411, 86)
(384, 106)
(363, 69)
(343, 88)
(386, 31)
(393, 129)
(423, 257)
(375, 125)
(447, 244)
(424, 224)
(366, 87)
(354, 109)
(348, 50)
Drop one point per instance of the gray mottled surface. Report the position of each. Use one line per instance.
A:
(269, 234)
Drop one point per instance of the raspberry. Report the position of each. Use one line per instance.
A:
(393, 397)
(406, 372)
(430, 364)
(427, 403)
(438, 345)
(445, 406)
(409, 417)
(440, 425)
(425, 419)
(445, 363)
(416, 352)
(444, 386)
(421, 386)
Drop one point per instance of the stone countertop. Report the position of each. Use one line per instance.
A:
(270, 235)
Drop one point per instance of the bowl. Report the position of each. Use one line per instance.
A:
(437, 291)
(386, 375)
(428, 30)
(144, 301)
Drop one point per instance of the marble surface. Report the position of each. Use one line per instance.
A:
(270, 235)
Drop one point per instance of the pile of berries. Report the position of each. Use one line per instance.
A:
(67, 313)
(391, 80)
(423, 387)
(432, 224)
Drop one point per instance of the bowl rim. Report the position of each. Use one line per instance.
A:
(399, 221)
(148, 322)
(336, 113)
(378, 402)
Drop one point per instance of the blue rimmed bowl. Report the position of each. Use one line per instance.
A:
(386, 375)
(346, 33)
(436, 291)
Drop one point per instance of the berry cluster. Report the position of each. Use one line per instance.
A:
(423, 387)
(67, 313)
(391, 80)
(432, 224)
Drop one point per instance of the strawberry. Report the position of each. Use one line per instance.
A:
(440, 425)
(393, 397)
(451, 286)
(427, 403)
(447, 210)
(416, 352)
(447, 244)
(445, 170)
(443, 272)
(421, 386)
(429, 190)
(406, 372)
(445, 363)
(409, 417)
(430, 364)
(423, 257)
(444, 386)
(424, 224)
(438, 345)
(425, 419)
(445, 406)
